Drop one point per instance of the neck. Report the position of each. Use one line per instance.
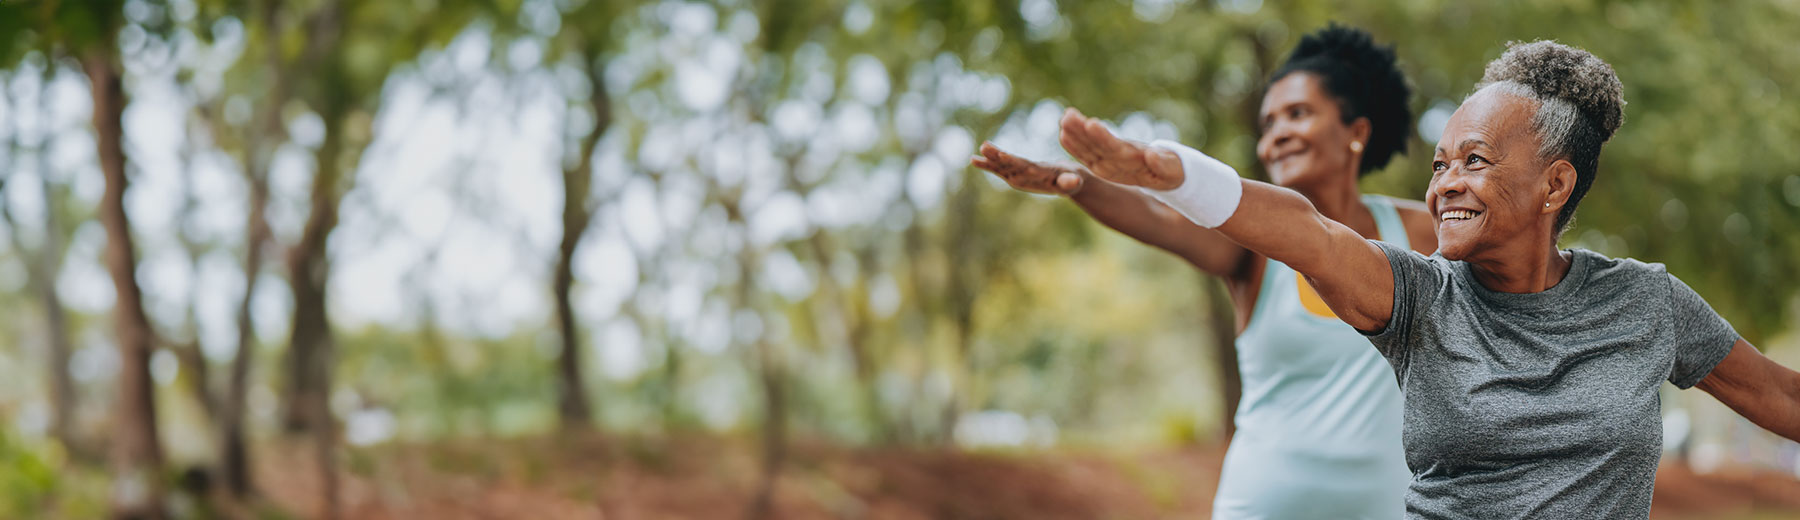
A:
(1537, 271)
(1338, 198)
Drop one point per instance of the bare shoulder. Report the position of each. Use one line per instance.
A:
(1421, 228)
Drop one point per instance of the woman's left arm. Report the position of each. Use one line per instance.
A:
(1757, 388)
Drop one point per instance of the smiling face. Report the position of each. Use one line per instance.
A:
(1304, 138)
(1488, 185)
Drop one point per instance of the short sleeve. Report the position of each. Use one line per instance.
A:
(1700, 337)
(1416, 281)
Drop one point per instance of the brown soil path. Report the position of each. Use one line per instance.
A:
(703, 477)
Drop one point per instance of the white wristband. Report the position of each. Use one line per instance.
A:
(1209, 194)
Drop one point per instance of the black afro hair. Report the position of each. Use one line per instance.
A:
(1364, 79)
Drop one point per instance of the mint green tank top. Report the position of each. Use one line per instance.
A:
(1318, 426)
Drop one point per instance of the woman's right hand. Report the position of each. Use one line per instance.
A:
(1028, 175)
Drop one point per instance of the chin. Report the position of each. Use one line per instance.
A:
(1454, 249)
(1289, 176)
(1281, 178)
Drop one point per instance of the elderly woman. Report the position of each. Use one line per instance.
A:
(1319, 419)
(1530, 373)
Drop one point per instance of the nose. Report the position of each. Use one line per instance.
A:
(1449, 183)
(1277, 135)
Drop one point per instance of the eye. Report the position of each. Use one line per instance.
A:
(1474, 159)
(1439, 166)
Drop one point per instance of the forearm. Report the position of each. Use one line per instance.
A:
(1782, 416)
(1779, 412)
(1786, 422)
(1122, 208)
(1138, 215)
(1283, 225)
(1757, 388)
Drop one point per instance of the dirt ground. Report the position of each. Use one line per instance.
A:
(710, 477)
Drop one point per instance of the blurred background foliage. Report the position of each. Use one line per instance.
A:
(422, 221)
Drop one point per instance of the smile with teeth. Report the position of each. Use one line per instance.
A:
(1458, 214)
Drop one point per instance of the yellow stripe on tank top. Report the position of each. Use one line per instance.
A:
(1310, 299)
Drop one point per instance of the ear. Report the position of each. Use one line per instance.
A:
(1559, 183)
(1360, 129)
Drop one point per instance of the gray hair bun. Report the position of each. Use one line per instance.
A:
(1557, 71)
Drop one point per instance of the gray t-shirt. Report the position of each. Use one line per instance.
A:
(1541, 405)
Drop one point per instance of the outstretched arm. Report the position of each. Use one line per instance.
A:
(1123, 208)
(1757, 388)
(1351, 273)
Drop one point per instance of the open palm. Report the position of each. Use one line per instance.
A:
(1028, 175)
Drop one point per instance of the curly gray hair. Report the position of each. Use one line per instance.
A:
(1580, 105)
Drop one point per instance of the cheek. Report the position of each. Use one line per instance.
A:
(1508, 198)
(1330, 137)
(1307, 130)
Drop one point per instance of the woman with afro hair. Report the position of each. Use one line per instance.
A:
(1318, 423)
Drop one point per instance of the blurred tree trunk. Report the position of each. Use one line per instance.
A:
(852, 308)
(912, 239)
(43, 266)
(234, 460)
(668, 395)
(571, 390)
(311, 345)
(774, 427)
(909, 425)
(961, 299)
(136, 449)
(256, 155)
(195, 370)
(769, 373)
(310, 332)
(310, 337)
(971, 263)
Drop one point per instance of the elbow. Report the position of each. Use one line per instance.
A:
(1791, 404)
(1780, 410)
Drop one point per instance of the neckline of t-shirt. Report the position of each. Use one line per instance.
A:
(1571, 283)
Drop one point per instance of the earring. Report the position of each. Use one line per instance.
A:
(1356, 146)
(1546, 204)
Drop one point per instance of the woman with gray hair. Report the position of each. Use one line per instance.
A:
(1530, 373)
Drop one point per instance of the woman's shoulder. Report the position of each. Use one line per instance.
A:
(1421, 227)
(1623, 273)
(1607, 265)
